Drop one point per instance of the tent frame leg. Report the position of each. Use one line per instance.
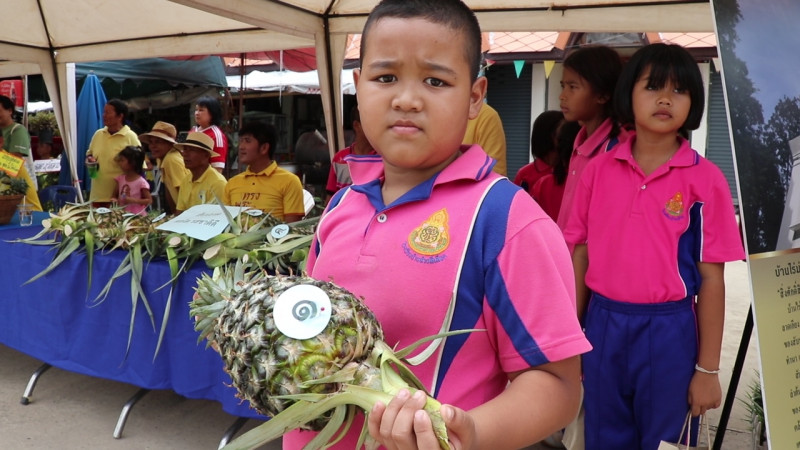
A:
(123, 416)
(232, 430)
(26, 396)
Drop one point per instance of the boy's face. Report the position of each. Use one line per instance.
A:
(415, 93)
(250, 151)
(578, 101)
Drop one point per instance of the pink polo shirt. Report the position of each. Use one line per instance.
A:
(466, 236)
(586, 148)
(645, 234)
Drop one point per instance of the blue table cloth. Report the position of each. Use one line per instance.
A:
(52, 320)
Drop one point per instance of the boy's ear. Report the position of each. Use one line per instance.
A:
(356, 76)
(476, 96)
(264, 148)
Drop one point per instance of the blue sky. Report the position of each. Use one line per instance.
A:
(769, 43)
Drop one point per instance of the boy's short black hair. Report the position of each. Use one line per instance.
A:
(543, 133)
(213, 107)
(600, 66)
(261, 131)
(451, 13)
(119, 106)
(134, 155)
(666, 62)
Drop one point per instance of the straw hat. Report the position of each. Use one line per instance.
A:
(163, 130)
(199, 140)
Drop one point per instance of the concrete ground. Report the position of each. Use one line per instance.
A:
(70, 411)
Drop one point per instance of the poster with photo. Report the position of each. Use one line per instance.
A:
(757, 45)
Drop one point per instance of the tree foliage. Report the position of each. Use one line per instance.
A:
(762, 154)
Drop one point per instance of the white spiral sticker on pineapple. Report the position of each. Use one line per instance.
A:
(302, 311)
(279, 231)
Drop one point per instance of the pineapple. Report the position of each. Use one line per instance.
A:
(299, 381)
(12, 185)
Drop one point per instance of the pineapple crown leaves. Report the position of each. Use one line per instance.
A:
(12, 185)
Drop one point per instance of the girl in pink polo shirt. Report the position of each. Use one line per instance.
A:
(587, 87)
(653, 225)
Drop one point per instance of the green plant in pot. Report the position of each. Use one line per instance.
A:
(12, 191)
(43, 120)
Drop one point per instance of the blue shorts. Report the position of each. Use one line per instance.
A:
(636, 377)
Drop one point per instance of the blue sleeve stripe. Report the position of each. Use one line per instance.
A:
(689, 250)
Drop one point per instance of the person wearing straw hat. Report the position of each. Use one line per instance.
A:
(170, 169)
(264, 185)
(203, 183)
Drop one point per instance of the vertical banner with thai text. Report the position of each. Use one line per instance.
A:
(758, 46)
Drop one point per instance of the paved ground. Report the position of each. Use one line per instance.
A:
(70, 411)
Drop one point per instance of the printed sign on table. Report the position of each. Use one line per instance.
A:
(201, 221)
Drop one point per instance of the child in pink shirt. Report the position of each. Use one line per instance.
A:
(587, 87)
(549, 190)
(133, 190)
(653, 225)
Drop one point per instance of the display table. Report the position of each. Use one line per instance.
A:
(51, 319)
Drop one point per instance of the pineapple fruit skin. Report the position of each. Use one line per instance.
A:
(263, 362)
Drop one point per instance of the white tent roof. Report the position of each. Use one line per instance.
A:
(287, 81)
(330, 21)
(44, 35)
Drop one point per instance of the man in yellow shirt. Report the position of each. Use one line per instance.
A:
(105, 144)
(170, 169)
(486, 130)
(203, 181)
(264, 185)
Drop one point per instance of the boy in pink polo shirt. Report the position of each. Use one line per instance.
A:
(652, 224)
(437, 230)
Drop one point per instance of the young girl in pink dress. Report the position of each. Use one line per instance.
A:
(133, 190)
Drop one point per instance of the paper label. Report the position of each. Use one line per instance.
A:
(10, 164)
(302, 311)
(279, 231)
(47, 165)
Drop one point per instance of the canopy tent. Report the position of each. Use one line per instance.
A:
(329, 22)
(44, 36)
(143, 83)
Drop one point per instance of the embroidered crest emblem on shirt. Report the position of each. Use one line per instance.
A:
(674, 206)
(433, 236)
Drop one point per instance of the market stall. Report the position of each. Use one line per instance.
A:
(51, 319)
